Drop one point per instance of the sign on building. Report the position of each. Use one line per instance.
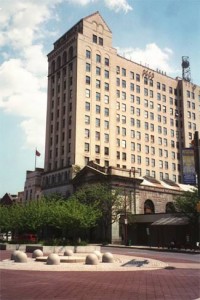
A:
(189, 174)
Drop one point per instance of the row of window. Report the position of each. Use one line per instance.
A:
(98, 58)
(61, 60)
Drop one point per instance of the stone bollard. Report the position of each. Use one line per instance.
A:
(37, 253)
(91, 259)
(107, 257)
(20, 257)
(14, 253)
(53, 259)
(68, 252)
(98, 254)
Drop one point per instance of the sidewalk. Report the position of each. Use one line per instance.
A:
(151, 248)
(179, 283)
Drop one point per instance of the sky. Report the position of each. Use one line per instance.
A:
(152, 32)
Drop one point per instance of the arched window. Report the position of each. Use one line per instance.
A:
(58, 62)
(64, 60)
(170, 208)
(53, 66)
(70, 53)
(149, 207)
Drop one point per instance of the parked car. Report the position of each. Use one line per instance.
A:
(28, 237)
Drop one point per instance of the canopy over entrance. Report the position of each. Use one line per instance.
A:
(171, 221)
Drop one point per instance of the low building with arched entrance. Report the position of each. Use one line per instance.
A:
(149, 216)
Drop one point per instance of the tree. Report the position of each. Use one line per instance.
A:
(186, 204)
(109, 202)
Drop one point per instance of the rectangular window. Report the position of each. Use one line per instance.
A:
(158, 85)
(106, 150)
(131, 75)
(106, 61)
(100, 41)
(123, 107)
(88, 67)
(87, 147)
(87, 93)
(87, 133)
(87, 106)
(106, 124)
(98, 58)
(137, 89)
(106, 137)
(123, 131)
(123, 144)
(123, 119)
(97, 135)
(106, 86)
(98, 96)
(97, 121)
(88, 54)
(132, 86)
(106, 112)
(123, 95)
(97, 149)
(123, 72)
(87, 79)
(94, 39)
(106, 99)
(98, 110)
(124, 83)
(87, 119)
(98, 83)
(106, 74)
(98, 71)
(138, 77)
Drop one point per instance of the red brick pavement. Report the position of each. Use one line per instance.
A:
(160, 284)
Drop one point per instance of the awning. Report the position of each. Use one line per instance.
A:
(171, 221)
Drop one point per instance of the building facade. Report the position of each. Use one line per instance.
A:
(105, 108)
(32, 186)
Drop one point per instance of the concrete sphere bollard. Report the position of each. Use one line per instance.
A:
(53, 259)
(68, 252)
(14, 253)
(21, 257)
(37, 253)
(91, 259)
(107, 257)
(98, 254)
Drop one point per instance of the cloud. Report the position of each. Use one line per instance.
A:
(153, 54)
(23, 82)
(22, 95)
(116, 5)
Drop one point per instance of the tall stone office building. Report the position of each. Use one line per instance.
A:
(105, 108)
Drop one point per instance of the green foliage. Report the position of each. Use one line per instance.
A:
(108, 201)
(54, 211)
(187, 204)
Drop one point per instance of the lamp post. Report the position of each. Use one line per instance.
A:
(125, 219)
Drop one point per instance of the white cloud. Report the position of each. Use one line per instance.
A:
(154, 55)
(118, 5)
(23, 81)
(21, 95)
(81, 2)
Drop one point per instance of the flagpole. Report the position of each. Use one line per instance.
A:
(35, 157)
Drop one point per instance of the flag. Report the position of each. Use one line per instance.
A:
(37, 153)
